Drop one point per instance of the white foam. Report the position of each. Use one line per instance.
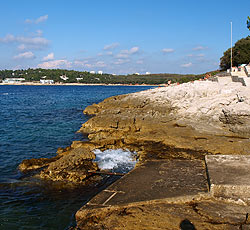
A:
(116, 160)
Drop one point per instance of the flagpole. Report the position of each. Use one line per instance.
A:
(231, 45)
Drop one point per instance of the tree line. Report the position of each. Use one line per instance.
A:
(34, 75)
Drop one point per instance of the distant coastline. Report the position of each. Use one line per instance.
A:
(75, 84)
(71, 77)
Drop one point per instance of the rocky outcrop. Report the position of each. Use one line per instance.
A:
(184, 121)
(73, 166)
(202, 116)
(70, 165)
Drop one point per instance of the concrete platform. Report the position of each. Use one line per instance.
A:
(164, 194)
(229, 176)
(156, 180)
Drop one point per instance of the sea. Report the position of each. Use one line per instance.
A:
(34, 122)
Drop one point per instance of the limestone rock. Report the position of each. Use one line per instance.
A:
(33, 164)
(200, 116)
(71, 167)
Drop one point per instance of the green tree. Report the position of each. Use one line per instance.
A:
(241, 54)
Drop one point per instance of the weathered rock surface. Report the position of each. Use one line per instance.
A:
(33, 164)
(70, 165)
(184, 122)
(188, 122)
(196, 213)
(73, 166)
(203, 116)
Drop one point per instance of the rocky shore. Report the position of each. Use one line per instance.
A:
(175, 125)
(191, 119)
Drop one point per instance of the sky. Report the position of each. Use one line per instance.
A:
(120, 36)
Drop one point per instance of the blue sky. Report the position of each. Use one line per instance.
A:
(120, 36)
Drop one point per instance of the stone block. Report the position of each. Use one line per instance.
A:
(229, 176)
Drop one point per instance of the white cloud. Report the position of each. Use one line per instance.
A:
(38, 20)
(34, 41)
(133, 50)
(100, 64)
(121, 61)
(122, 55)
(89, 65)
(187, 65)
(39, 33)
(196, 55)
(25, 55)
(167, 50)
(139, 62)
(49, 57)
(8, 38)
(80, 63)
(26, 43)
(22, 47)
(200, 48)
(109, 53)
(111, 46)
(55, 64)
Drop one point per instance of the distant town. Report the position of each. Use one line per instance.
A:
(60, 76)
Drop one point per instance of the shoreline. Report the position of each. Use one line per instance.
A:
(74, 84)
(179, 126)
(173, 131)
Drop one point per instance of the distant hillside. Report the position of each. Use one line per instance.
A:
(71, 76)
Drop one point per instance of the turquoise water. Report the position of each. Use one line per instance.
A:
(34, 122)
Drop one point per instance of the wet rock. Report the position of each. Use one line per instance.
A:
(92, 109)
(33, 164)
(71, 167)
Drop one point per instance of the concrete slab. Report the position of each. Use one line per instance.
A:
(229, 176)
(156, 180)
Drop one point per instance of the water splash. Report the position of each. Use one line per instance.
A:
(116, 160)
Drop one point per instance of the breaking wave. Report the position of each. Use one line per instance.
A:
(116, 160)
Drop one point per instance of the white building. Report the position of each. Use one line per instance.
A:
(43, 81)
(93, 72)
(100, 72)
(13, 80)
(79, 78)
(64, 77)
(147, 73)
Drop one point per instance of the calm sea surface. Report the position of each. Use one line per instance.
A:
(34, 122)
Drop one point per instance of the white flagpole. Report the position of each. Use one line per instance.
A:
(231, 45)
